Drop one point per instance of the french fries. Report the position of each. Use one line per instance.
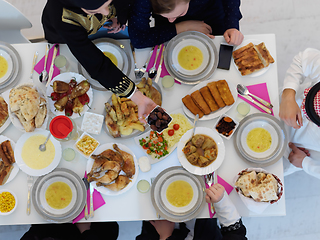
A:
(124, 113)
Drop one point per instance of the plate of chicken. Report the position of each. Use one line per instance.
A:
(113, 169)
(201, 153)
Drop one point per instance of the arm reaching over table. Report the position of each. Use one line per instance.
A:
(145, 105)
(290, 112)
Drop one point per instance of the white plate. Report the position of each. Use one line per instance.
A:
(146, 134)
(15, 169)
(27, 169)
(168, 205)
(102, 189)
(215, 164)
(107, 47)
(266, 126)
(217, 113)
(188, 42)
(8, 74)
(66, 77)
(14, 119)
(257, 73)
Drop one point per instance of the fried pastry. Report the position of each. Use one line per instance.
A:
(200, 102)
(264, 54)
(188, 102)
(205, 92)
(3, 111)
(215, 93)
(8, 151)
(5, 171)
(225, 92)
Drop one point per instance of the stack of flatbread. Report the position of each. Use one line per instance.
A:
(3, 111)
(7, 159)
(29, 107)
(252, 58)
(210, 98)
(260, 186)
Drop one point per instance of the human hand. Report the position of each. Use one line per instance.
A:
(163, 227)
(145, 105)
(290, 112)
(83, 226)
(214, 193)
(194, 25)
(233, 36)
(297, 155)
(115, 26)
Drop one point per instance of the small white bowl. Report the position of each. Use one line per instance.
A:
(16, 202)
(82, 153)
(235, 127)
(92, 123)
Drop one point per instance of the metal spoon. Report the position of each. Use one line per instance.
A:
(243, 90)
(194, 125)
(153, 71)
(42, 147)
(44, 74)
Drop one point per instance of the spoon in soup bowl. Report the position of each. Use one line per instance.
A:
(42, 147)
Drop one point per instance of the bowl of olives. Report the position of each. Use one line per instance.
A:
(158, 119)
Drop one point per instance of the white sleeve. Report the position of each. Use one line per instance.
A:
(305, 64)
(311, 166)
(226, 211)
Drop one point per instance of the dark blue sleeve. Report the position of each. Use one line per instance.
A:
(232, 13)
(140, 32)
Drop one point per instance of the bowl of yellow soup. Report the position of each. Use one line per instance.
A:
(178, 195)
(260, 139)
(33, 161)
(8, 202)
(59, 196)
(6, 66)
(191, 57)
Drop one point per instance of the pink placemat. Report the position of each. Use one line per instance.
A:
(259, 90)
(40, 65)
(98, 201)
(226, 186)
(164, 71)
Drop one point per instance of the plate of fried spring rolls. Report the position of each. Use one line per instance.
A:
(210, 99)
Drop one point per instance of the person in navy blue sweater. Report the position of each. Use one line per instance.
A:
(211, 17)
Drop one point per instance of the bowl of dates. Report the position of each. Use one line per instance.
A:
(226, 126)
(158, 119)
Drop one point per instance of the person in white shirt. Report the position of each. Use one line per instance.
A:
(300, 111)
(201, 229)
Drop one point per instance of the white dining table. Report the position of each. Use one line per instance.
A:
(133, 205)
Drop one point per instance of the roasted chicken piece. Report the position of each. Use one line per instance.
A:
(97, 164)
(111, 165)
(112, 126)
(197, 140)
(120, 183)
(107, 178)
(112, 156)
(128, 166)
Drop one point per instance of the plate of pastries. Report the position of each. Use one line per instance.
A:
(4, 115)
(8, 166)
(209, 99)
(28, 107)
(252, 58)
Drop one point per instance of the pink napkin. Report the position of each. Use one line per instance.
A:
(259, 90)
(164, 71)
(40, 65)
(226, 186)
(98, 201)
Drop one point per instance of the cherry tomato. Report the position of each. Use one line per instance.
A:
(171, 132)
(145, 147)
(176, 126)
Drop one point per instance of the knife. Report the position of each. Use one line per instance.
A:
(91, 201)
(56, 47)
(86, 183)
(160, 66)
(264, 108)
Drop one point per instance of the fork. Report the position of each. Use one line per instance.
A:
(210, 180)
(29, 183)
